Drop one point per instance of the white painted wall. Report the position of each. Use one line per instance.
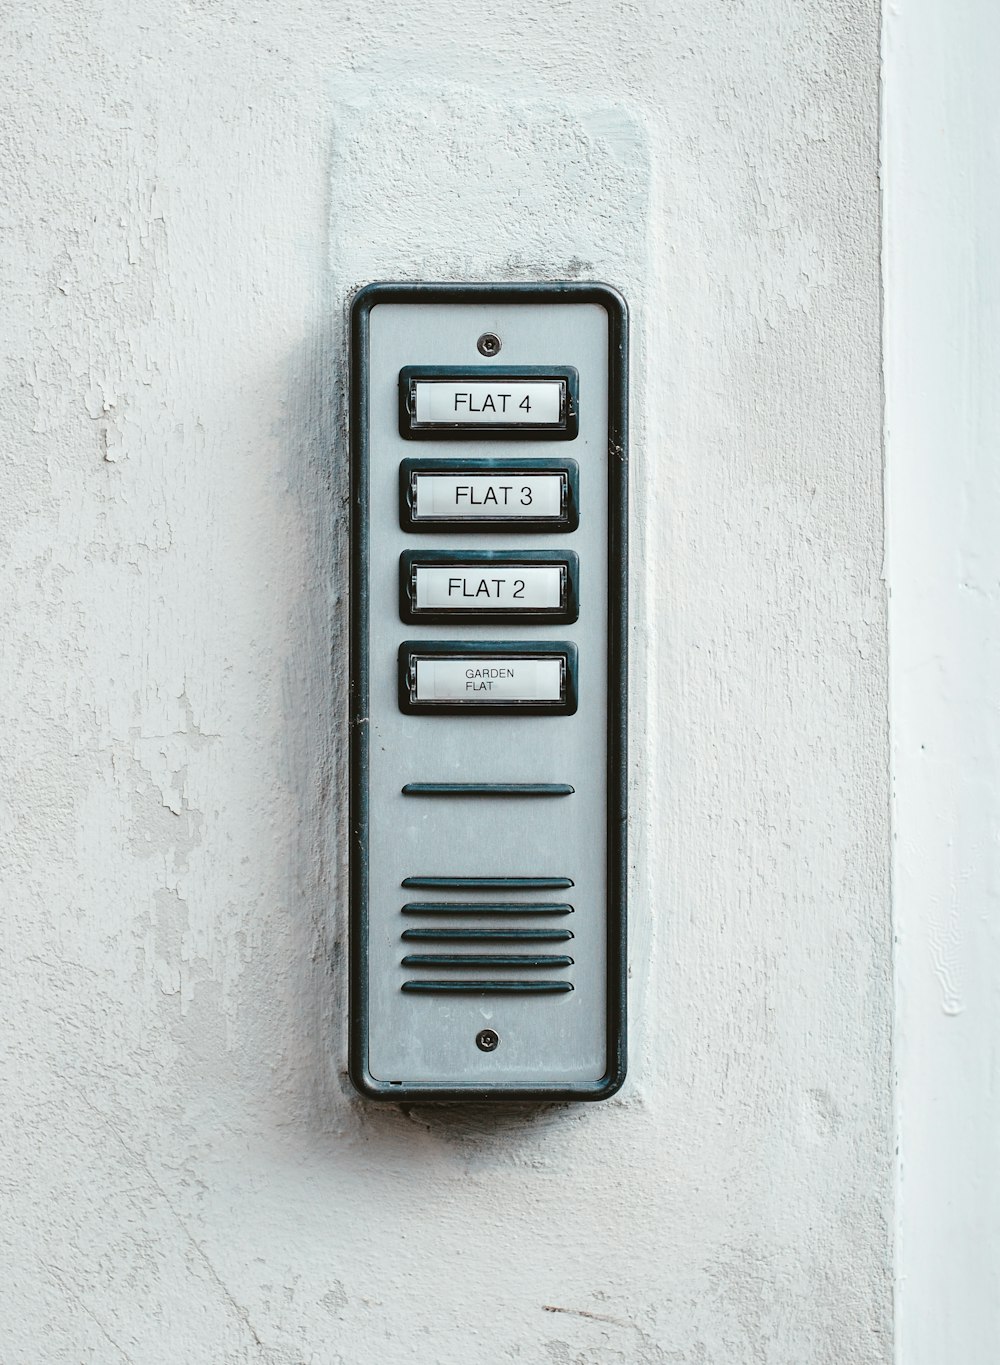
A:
(193, 190)
(942, 278)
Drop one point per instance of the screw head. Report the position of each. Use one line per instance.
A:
(488, 344)
(487, 1040)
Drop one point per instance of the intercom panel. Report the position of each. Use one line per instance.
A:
(488, 691)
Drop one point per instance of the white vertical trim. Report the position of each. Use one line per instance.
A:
(941, 161)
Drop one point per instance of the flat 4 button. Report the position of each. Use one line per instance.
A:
(536, 402)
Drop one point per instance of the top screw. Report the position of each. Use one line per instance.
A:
(488, 344)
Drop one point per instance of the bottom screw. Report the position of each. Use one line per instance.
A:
(487, 1040)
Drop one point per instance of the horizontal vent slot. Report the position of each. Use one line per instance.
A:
(488, 789)
(487, 960)
(474, 908)
(460, 958)
(455, 987)
(490, 935)
(489, 883)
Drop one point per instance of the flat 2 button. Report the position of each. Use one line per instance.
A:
(494, 585)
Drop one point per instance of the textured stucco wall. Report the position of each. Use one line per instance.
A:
(191, 190)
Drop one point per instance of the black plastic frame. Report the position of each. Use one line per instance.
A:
(470, 649)
(614, 305)
(565, 614)
(567, 429)
(475, 467)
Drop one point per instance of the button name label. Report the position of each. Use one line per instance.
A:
(521, 401)
(495, 585)
(488, 495)
(461, 587)
(471, 680)
(493, 496)
(514, 676)
(534, 404)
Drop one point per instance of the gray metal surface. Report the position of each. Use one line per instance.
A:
(417, 1037)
